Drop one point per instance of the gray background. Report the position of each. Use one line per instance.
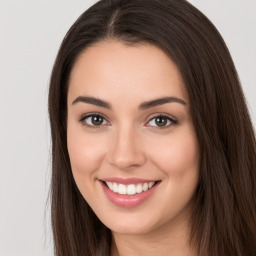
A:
(30, 34)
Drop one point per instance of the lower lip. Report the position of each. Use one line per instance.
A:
(126, 200)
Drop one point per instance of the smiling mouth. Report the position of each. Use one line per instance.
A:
(130, 189)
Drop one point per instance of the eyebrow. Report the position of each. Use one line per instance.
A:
(93, 101)
(142, 106)
(161, 101)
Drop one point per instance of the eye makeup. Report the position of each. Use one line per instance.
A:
(97, 120)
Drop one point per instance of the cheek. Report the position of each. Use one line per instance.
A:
(178, 158)
(178, 154)
(85, 152)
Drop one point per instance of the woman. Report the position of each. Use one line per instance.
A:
(153, 150)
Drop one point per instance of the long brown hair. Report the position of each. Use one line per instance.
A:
(224, 218)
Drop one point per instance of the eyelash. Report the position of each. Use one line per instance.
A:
(160, 115)
(167, 118)
(84, 117)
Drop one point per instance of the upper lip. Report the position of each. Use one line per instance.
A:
(127, 181)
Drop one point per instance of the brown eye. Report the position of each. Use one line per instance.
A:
(93, 120)
(97, 120)
(162, 121)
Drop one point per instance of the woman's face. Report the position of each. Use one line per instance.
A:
(132, 144)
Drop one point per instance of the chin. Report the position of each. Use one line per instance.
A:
(132, 223)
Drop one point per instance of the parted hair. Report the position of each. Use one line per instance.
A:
(223, 221)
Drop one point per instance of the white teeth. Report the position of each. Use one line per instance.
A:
(139, 188)
(150, 185)
(115, 188)
(145, 187)
(130, 189)
(110, 185)
(122, 189)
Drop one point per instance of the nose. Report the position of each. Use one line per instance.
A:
(126, 151)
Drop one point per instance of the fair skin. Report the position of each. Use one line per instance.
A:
(122, 136)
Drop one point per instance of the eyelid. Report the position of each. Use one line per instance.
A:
(172, 119)
(84, 116)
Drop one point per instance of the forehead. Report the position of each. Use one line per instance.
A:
(112, 68)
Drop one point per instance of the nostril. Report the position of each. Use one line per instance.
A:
(125, 154)
(126, 161)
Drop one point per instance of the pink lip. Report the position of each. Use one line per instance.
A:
(127, 181)
(128, 201)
